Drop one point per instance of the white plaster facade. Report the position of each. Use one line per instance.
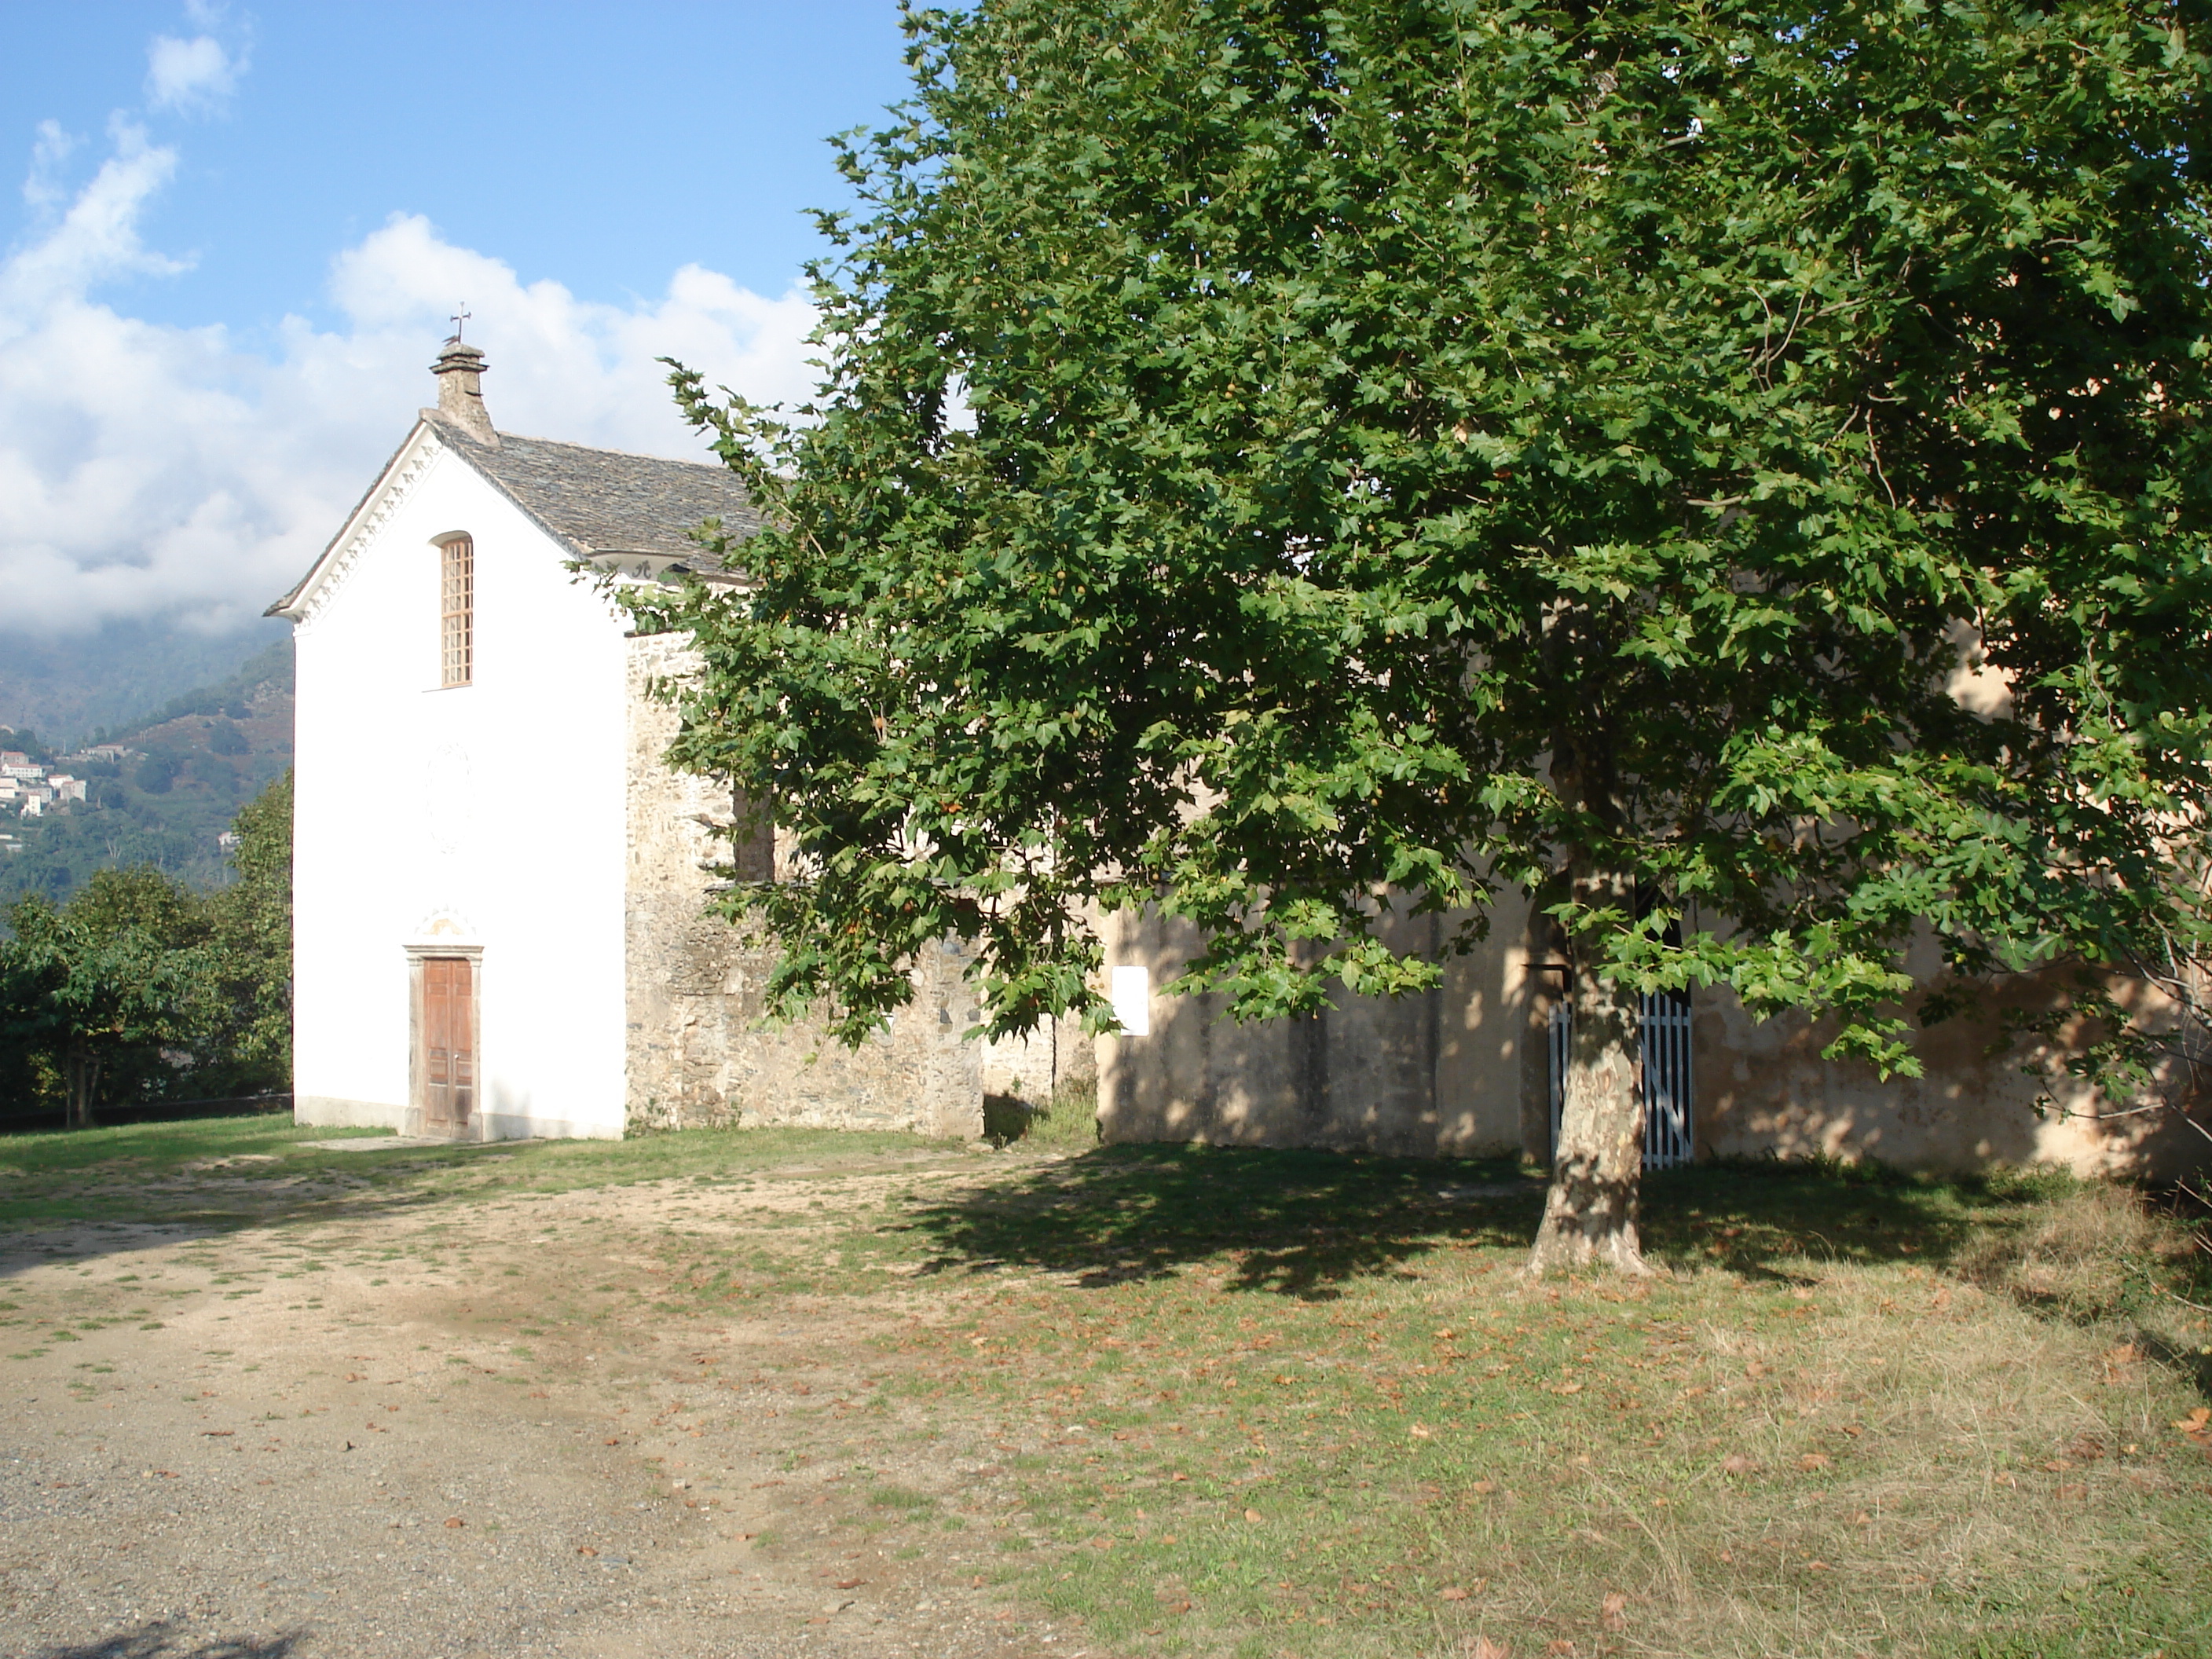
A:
(523, 829)
(484, 819)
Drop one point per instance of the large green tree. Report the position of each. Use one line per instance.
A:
(137, 988)
(250, 940)
(99, 988)
(1274, 454)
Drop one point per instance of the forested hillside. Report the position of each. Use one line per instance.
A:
(65, 685)
(199, 758)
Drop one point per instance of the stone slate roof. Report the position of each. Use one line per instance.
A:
(588, 500)
(602, 500)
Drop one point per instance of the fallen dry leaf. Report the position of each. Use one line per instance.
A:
(455, 1520)
(1484, 1488)
(1452, 1593)
(1737, 1463)
(1612, 1610)
(585, 1549)
(1484, 1648)
(1252, 1515)
(1418, 1432)
(1812, 1461)
(855, 1583)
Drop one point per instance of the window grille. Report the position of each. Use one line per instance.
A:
(1664, 1034)
(458, 607)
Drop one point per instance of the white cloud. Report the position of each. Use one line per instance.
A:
(192, 76)
(42, 186)
(97, 238)
(153, 470)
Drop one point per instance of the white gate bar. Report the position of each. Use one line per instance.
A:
(1663, 1030)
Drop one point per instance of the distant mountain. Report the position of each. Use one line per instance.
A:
(197, 759)
(63, 686)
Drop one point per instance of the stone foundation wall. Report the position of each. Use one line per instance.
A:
(698, 1053)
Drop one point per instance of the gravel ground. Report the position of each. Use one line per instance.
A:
(323, 1436)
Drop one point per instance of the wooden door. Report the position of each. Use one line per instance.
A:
(449, 1058)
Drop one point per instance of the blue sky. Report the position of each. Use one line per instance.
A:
(240, 228)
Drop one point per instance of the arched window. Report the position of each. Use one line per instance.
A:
(458, 608)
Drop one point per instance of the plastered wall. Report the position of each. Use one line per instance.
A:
(1463, 1070)
(1763, 1089)
(460, 817)
(1419, 1076)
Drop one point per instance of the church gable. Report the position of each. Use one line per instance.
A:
(624, 513)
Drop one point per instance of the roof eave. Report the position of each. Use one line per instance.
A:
(290, 605)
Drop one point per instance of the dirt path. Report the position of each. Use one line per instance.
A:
(339, 1431)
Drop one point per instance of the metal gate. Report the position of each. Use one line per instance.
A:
(1663, 1027)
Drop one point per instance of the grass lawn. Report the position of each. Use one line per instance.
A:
(1290, 1403)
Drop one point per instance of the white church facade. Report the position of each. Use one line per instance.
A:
(498, 887)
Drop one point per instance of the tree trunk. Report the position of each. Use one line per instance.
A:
(1589, 1214)
(81, 1078)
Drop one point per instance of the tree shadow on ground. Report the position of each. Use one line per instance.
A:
(160, 1640)
(1302, 1223)
(1296, 1223)
(92, 1223)
(1759, 1217)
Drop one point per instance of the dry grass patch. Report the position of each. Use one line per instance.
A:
(1286, 1404)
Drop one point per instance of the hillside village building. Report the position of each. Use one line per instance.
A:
(28, 788)
(504, 935)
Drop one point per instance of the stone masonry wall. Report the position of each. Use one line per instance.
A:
(698, 1053)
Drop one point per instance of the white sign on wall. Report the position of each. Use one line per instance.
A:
(1132, 997)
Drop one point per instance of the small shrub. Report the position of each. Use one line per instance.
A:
(1069, 1122)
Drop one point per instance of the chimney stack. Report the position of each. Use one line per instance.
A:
(459, 369)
